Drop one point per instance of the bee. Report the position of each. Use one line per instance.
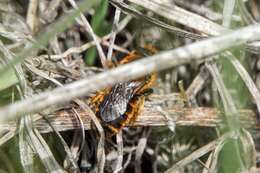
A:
(120, 105)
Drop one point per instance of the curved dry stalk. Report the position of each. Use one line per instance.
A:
(101, 142)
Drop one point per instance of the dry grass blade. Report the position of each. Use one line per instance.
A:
(7, 136)
(74, 166)
(206, 168)
(113, 33)
(214, 160)
(101, 142)
(74, 148)
(248, 147)
(231, 111)
(120, 146)
(248, 18)
(44, 152)
(47, 34)
(246, 78)
(189, 19)
(85, 46)
(182, 16)
(201, 116)
(51, 10)
(25, 149)
(203, 10)
(170, 122)
(140, 149)
(90, 30)
(197, 85)
(200, 152)
(59, 52)
(128, 9)
(41, 73)
(31, 15)
(160, 61)
(228, 103)
(229, 6)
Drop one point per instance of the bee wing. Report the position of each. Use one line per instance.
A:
(115, 102)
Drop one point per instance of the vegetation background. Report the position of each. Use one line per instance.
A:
(202, 116)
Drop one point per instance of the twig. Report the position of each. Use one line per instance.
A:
(206, 117)
(158, 62)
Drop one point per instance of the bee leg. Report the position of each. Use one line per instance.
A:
(112, 130)
(145, 92)
(135, 108)
(149, 82)
(132, 56)
(139, 108)
(97, 98)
